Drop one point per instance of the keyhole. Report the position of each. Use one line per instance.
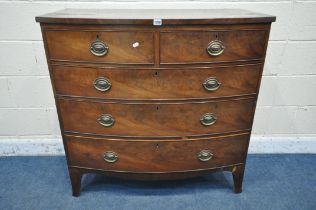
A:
(156, 73)
(157, 107)
(157, 146)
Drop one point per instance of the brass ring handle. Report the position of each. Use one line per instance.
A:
(208, 119)
(211, 84)
(215, 48)
(205, 155)
(99, 48)
(110, 157)
(102, 84)
(106, 120)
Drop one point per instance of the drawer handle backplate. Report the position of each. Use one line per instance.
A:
(110, 157)
(99, 48)
(215, 48)
(208, 119)
(106, 120)
(211, 84)
(102, 84)
(205, 155)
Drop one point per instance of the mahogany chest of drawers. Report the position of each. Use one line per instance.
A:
(149, 94)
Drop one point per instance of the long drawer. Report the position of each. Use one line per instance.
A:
(118, 47)
(186, 119)
(157, 84)
(156, 156)
(212, 46)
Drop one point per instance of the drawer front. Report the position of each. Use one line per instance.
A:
(157, 84)
(120, 47)
(156, 119)
(156, 156)
(224, 46)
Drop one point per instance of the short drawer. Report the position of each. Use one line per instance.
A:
(157, 84)
(156, 156)
(117, 47)
(212, 46)
(187, 119)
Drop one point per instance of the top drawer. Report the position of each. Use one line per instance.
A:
(180, 47)
(102, 47)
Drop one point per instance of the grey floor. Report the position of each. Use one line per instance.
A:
(271, 182)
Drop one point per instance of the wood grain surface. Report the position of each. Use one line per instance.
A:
(191, 46)
(156, 156)
(157, 83)
(156, 119)
(146, 16)
(75, 46)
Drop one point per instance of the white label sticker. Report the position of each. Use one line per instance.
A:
(157, 22)
(136, 44)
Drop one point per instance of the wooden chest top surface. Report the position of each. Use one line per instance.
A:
(146, 16)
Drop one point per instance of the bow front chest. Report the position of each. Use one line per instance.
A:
(155, 94)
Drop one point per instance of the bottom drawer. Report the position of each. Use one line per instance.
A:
(156, 156)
